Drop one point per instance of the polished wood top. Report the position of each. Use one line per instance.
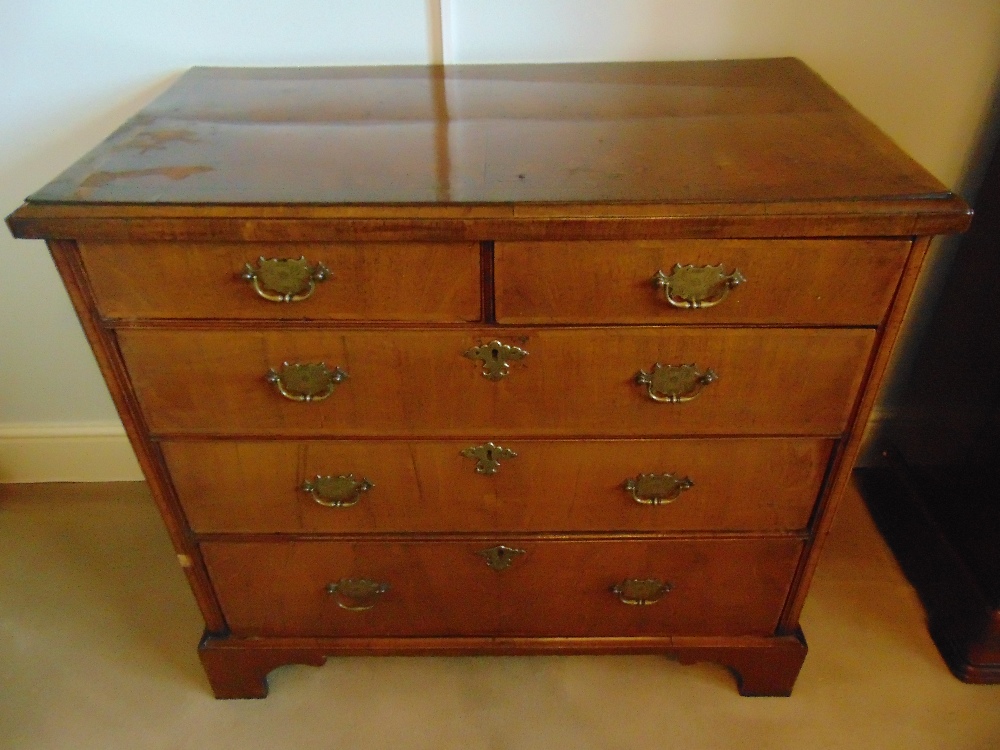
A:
(729, 131)
(745, 148)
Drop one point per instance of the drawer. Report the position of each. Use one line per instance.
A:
(365, 281)
(725, 586)
(797, 282)
(429, 486)
(571, 382)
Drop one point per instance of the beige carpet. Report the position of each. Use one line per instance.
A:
(97, 650)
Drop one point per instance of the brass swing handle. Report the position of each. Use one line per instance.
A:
(656, 489)
(640, 592)
(343, 491)
(674, 384)
(357, 594)
(312, 381)
(697, 287)
(284, 279)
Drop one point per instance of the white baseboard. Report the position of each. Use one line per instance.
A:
(66, 452)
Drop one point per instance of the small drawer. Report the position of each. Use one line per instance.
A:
(791, 282)
(418, 588)
(600, 587)
(386, 486)
(342, 281)
(566, 383)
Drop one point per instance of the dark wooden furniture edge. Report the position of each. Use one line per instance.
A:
(912, 209)
(957, 613)
(762, 666)
(962, 668)
(846, 453)
(64, 255)
(272, 223)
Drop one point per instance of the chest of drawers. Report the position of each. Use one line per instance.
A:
(505, 359)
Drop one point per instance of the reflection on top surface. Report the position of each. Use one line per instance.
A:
(749, 131)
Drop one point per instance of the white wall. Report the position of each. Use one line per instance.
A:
(70, 71)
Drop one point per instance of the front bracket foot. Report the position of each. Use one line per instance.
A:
(767, 669)
(236, 672)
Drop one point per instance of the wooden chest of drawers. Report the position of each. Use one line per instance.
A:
(576, 359)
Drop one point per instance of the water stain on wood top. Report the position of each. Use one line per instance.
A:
(97, 180)
(697, 132)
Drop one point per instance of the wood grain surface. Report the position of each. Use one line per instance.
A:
(428, 486)
(573, 382)
(367, 281)
(709, 148)
(790, 282)
(557, 588)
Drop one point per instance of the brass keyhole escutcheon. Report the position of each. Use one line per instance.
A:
(488, 456)
(500, 557)
(496, 358)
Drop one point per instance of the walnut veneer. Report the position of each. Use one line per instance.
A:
(542, 207)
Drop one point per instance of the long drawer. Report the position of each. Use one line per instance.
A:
(361, 281)
(787, 282)
(578, 381)
(550, 588)
(430, 486)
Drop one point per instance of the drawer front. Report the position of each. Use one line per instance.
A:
(717, 587)
(364, 281)
(429, 486)
(571, 382)
(551, 588)
(280, 589)
(801, 282)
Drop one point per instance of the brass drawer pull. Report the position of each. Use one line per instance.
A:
(284, 279)
(496, 358)
(357, 594)
(336, 492)
(500, 557)
(694, 287)
(305, 382)
(488, 457)
(639, 592)
(656, 489)
(674, 384)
